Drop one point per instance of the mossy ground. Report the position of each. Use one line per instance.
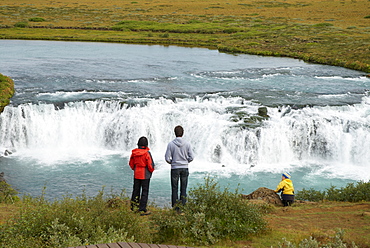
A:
(6, 91)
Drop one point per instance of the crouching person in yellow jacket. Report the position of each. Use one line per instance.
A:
(287, 189)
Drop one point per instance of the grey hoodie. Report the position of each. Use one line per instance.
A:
(179, 153)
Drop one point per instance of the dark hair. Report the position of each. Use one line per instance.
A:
(179, 131)
(143, 141)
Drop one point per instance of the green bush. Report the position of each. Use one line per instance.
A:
(310, 195)
(36, 19)
(21, 25)
(72, 222)
(351, 193)
(7, 193)
(210, 215)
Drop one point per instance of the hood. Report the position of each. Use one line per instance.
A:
(179, 142)
(140, 151)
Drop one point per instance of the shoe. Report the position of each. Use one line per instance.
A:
(142, 213)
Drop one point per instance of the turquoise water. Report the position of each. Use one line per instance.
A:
(80, 108)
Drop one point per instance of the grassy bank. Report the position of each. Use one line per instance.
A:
(6, 91)
(213, 217)
(328, 32)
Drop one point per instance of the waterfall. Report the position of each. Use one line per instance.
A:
(336, 136)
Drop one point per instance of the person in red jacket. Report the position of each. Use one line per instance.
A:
(141, 162)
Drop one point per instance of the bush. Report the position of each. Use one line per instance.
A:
(7, 193)
(310, 195)
(72, 222)
(324, 24)
(21, 25)
(210, 215)
(351, 193)
(36, 19)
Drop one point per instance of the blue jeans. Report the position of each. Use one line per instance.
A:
(183, 175)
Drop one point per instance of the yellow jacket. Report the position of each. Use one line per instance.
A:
(286, 186)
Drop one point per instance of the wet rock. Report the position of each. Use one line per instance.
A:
(266, 195)
(2, 177)
(262, 111)
(250, 121)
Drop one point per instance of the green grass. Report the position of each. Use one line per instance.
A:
(262, 27)
(107, 218)
(6, 91)
(212, 217)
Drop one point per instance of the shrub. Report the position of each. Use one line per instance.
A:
(351, 193)
(210, 215)
(324, 24)
(21, 25)
(310, 195)
(72, 222)
(36, 19)
(7, 193)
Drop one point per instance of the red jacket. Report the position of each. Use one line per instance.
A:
(142, 163)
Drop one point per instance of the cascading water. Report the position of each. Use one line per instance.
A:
(73, 132)
(312, 135)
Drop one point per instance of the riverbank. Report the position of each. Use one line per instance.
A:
(318, 220)
(6, 91)
(327, 32)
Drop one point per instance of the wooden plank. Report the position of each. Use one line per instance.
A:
(124, 245)
(114, 245)
(142, 245)
(102, 246)
(128, 245)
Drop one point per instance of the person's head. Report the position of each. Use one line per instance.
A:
(143, 141)
(286, 175)
(179, 131)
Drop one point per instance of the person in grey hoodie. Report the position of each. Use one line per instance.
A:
(179, 154)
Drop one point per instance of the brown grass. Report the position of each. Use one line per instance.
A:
(341, 13)
(335, 32)
(322, 220)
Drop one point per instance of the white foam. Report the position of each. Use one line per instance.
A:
(336, 137)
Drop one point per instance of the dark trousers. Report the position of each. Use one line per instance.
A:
(287, 200)
(136, 199)
(176, 175)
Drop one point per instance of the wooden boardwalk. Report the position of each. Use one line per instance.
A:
(129, 245)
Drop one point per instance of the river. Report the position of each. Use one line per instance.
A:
(80, 107)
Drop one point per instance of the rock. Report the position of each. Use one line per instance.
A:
(266, 195)
(7, 152)
(2, 177)
(262, 111)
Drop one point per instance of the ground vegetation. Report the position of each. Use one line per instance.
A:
(6, 91)
(334, 32)
(213, 217)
